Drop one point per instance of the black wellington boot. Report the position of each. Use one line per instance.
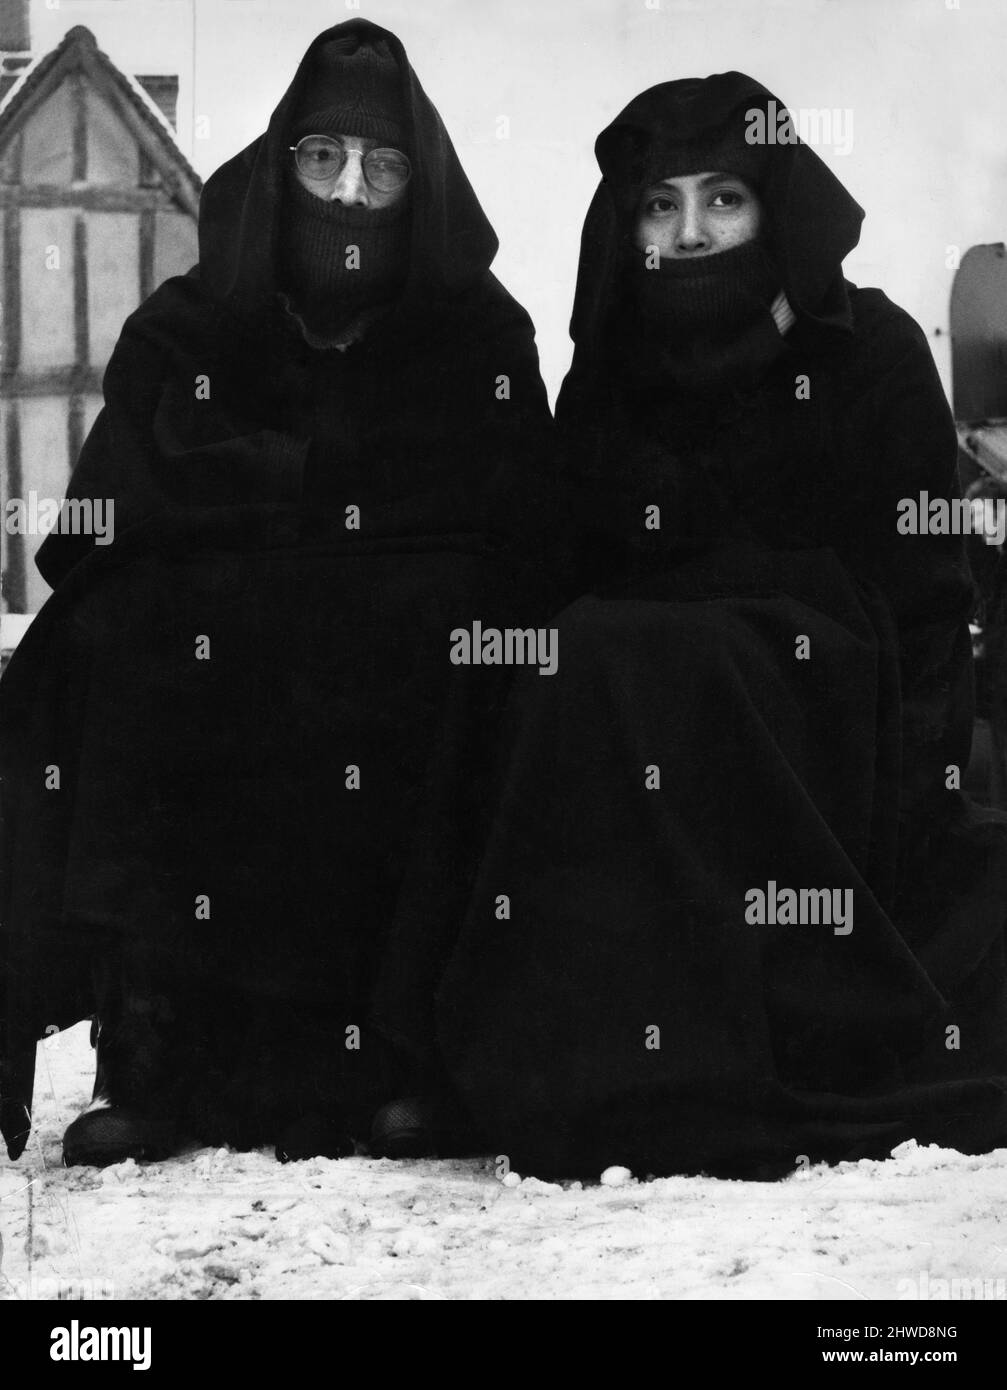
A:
(131, 1114)
(102, 1137)
(404, 1129)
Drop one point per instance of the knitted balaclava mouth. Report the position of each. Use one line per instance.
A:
(353, 90)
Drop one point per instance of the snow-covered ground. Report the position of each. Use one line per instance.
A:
(220, 1225)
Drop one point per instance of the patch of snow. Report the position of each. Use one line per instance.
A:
(223, 1225)
(616, 1177)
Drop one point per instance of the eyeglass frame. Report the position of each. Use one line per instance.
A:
(378, 149)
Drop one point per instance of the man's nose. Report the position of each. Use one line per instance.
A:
(693, 234)
(351, 187)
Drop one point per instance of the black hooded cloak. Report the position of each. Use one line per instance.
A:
(246, 694)
(772, 691)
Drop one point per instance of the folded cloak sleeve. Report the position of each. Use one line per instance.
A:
(922, 568)
(160, 442)
(114, 463)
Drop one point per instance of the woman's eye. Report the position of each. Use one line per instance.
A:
(660, 205)
(727, 199)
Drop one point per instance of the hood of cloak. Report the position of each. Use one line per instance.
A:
(451, 242)
(810, 222)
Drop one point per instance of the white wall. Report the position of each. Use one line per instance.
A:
(925, 82)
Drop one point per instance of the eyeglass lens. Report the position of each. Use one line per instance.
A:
(320, 157)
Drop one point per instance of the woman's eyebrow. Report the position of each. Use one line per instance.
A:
(704, 182)
(707, 179)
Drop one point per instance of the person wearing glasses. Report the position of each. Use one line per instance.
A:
(324, 446)
(346, 216)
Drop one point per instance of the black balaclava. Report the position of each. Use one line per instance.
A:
(704, 322)
(353, 89)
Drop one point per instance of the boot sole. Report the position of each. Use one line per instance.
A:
(100, 1138)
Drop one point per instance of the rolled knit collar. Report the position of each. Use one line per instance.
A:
(690, 294)
(702, 321)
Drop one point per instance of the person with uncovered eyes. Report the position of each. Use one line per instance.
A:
(753, 922)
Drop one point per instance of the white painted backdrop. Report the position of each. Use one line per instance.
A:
(925, 81)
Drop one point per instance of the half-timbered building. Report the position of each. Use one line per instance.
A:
(98, 206)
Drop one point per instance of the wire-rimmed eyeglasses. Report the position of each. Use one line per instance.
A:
(322, 158)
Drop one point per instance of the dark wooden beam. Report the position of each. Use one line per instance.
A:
(10, 159)
(52, 381)
(146, 233)
(12, 289)
(14, 583)
(79, 97)
(81, 334)
(74, 431)
(10, 359)
(96, 198)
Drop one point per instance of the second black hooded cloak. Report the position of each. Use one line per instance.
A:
(769, 691)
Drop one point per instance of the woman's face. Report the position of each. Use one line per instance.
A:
(348, 185)
(697, 215)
